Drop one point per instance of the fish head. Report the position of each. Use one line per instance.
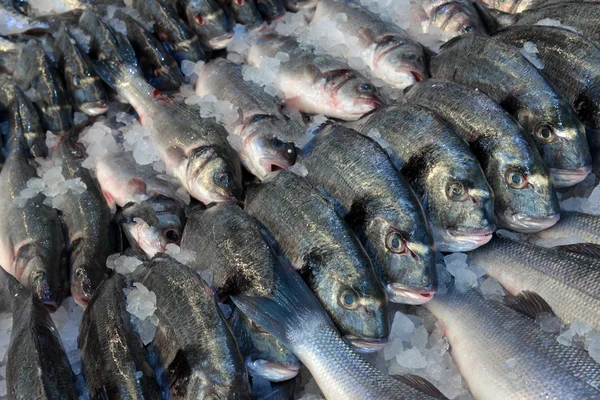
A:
(457, 18)
(400, 62)
(88, 270)
(271, 9)
(87, 91)
(459, 204)
(211, 21)
(351, 94)
(55, 109)
(246, 13)
(189, 50)
(297, 5)
(213, 179)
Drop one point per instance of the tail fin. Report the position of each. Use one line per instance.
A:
(290, 306)
(494, 20)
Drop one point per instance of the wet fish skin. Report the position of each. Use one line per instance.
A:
(443, 172)
(211, 21)
(573, 227)
(500, 363)
(193, 340)
(9, 54)
(381, 208)
(268, 138)
(13, 22)
(37, 366)
(317, 84)
(568, 283)
(391, 54)
(271, 9)
(35, 70)
(246, 13)
(455, 18)
(82, 83)
(111, 350)
(503, 149)
(331, 258)
(517, 85)
(514, 6)
(297, 5)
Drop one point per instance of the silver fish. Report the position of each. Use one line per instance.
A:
(455, 18)
(13, 22)
(246, 13)
(573, 227)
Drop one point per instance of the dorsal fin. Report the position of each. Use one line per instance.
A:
(529, 303)
(422, 385)
(586, 249)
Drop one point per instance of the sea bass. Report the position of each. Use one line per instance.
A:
(211, 21)
(455, 18)
(573, 228)
(524, 196)
(246, 13)
(440, 167)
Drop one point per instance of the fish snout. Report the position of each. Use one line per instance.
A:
(365, 346)
(51, 305)
(569, 177)
(399, 293)
(273, 371)
(94, 109)
(530, 224)
(221, 42)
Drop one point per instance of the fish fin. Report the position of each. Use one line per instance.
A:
(115, 72)
(179, 372)
(529, 303)
(291, 304)
(421, 384)
(493, 19)
(585, 249)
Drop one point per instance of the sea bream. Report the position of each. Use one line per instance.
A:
(441, 169)
(267, 136)
(194, 149)
(524, 196)
(317, 84)
(455, 18)
(381, 208)
(500, 71)
(391, 54)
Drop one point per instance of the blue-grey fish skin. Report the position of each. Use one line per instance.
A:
(271, 9)
(573, 227)
(246, 13)
(211, 20)
(500, 71)
(455, 18)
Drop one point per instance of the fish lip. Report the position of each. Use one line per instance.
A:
(221, 42)
(365, 346)
(404, 294)
(276, 371)
(528, 223)
(51, 305)
(269, 163)
(466, 239)
(94, 109)
(569, 177)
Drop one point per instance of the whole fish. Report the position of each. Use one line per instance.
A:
(500, 71)
(294, 316)
(314, 83)
(193, 340)
(271, 9)
(381, 208)
(194, 149)
(82, 83)
(391, 54)
(505, 355)
(246, 13)
(573, 228)
(320, 245)
(32, 245)
(297, 5)
(35, 71)
(211, 21)
(443, 172)
(112, 352)
(159, 67)
(524, 196)
(455, 18)
(267, 136)
(568, 283)
(181, 41)
(153, 216)
(37, 366)
(13, 22)
(88, 220)
(570, 63)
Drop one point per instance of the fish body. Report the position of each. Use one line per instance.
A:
(381, 208)
(13, 22)
(500, 71)
(443, 172)
(391, 54)
(267, 136)
(320, 245)
(524, 196)
(112, 352)
(503, 354)
(455, 18)
(568, 283)
(314, 83)
(514, 6)
(297, 5)
(573, 227)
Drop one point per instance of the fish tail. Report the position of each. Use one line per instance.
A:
(494, 20)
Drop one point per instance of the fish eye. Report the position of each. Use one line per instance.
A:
(395, 243)
(456, 191)
(77, 80)
(349, 299)
(222, 178)
(411, 57)
(466, 28)
(172, 235)
(199, 19)
(545, 133)
(515, 179)
(276, 143)
(366, 88)
(79, 273)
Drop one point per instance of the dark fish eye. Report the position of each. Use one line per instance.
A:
(515, 179)
(545, 133)
(395, 243)
(411, 57)
(467, 28)
(456, 191)
(77, 80)
(366, 88)
(79, 273)
(199, 19)
(349, 299)
(172, 235)
(276, 143)
(222, 178)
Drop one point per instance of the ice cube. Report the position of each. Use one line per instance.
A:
(402, 327)
(411, 358)
(187, 67)
(491, 289)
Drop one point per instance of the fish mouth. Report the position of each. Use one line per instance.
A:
(273, 371)
(94, 109)
(365, 346)
(51, 305)
(528, 223)
(399, 293)
(273, 165)
(570, 177)
(221, 42)
(465, 239)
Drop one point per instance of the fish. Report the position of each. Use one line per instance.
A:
(267, 136)
(573, 228)
(297, 5)
(178, 38)
(317, 84)
(295, 317)
(330, 257)
(246, 13)
(500, 71)
(568, 283)
(92, 235)
(194, 149)
(455, 18)
(34, 71)
(524, 195)
(84, 87)
(264, 390)
(271, 9)
(380, 206)
(32, 245)
(158, 66)
(211, 21)
(514, 6)
(13, 22)
(441, 169)
(152, 214)
(391, 54)
(37, 366)
(503, 354)
(562, 50)
(106, 43)
(112, 352)
(192, 340)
